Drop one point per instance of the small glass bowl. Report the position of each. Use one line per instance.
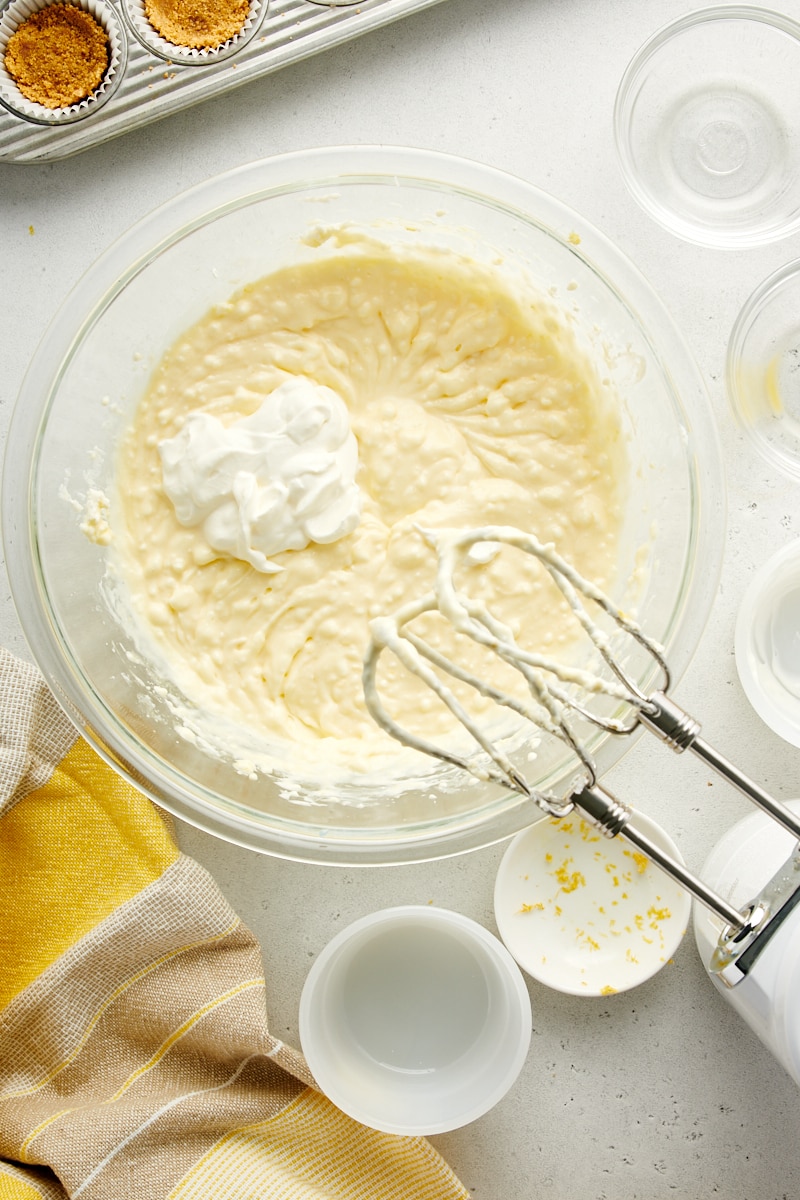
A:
(763, 369)
(707, 126)
(415, 1020)
(767, 643)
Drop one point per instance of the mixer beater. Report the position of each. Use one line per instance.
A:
(555, 694)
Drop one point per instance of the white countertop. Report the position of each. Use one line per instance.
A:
(661, 1091)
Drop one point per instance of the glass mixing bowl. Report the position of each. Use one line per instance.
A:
(165, 273)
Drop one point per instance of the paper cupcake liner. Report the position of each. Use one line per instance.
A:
(191, 55)
(14, 15)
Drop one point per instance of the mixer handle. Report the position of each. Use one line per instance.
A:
(745, 934)
(678, 730)
(612, 817)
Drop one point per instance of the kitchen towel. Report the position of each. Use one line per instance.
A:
(135, 1058)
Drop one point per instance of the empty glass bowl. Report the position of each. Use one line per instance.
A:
(415, 1020)
(763, 369)
(707, 126)
(767, 643)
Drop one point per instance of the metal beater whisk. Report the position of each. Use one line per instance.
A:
(558, 691)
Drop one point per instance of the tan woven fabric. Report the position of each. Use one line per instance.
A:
(135, 1056)
(34, 734)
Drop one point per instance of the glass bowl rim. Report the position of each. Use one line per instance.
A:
(197, 207)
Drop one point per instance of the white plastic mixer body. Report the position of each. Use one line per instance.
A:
(764, 986)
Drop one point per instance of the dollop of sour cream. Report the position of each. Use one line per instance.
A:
(275, 480)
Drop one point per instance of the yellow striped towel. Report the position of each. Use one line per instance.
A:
(135, 1058)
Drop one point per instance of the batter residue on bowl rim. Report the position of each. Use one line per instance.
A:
(470, 402)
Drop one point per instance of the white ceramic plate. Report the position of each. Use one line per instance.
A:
(586, 914)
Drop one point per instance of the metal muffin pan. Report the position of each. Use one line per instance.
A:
(153, 87)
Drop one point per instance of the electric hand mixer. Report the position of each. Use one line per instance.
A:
(755, 957)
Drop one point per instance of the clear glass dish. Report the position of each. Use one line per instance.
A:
(765, 643)
(707, 126)
(762, 370)
(94, 363)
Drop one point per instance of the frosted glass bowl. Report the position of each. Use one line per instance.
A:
(94, 362)
(415, 1020)
(707, 126)
(761, 369)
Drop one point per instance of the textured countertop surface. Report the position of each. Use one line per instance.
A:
(657, 1092)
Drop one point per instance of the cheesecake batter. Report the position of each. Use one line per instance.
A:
(470, 404)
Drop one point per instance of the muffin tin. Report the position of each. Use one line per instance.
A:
(151, 84)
